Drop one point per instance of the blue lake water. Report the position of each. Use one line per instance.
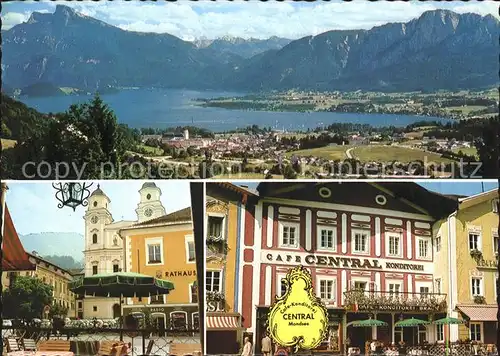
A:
(162, 108)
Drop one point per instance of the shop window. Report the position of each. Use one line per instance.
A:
(475, 332)
(178, 320)
(213, 281)
(289, 234)
(196, 320)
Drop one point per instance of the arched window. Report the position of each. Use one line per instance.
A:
(178, 320)
(94, 238)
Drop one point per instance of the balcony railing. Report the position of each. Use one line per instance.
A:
(216, 245)
(371, 301)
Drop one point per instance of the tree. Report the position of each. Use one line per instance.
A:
(57, 310)
(25, 298)
(488, 148)
(289, 173)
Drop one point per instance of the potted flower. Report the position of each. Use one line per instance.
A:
(479, 299)
(476, 254)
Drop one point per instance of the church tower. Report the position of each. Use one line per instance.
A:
(150, 206)
(96, 218)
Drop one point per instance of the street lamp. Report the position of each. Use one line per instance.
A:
(72, 194)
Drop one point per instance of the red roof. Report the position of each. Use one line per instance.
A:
(14, 257)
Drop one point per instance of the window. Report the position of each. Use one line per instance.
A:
(178, 320)
(193, 292)
(495, 243)
(424, 292)
(360, 285)
(156, 299)
(474, 241)
(327, 289)
(475, 331)
(94, 308)
(213, 281)
(196, 320)
(423, 248)
(422, 334)
(191, 252)
(94, 269)
(94, 238)
(438, 243)
(360, 241)
(394, 242)
(154, 253)
(440, 332)
(281, 286)
(115, 268)
(394, 289)
(80, 305)
(215, 226)
(327, 238)
(438, 285)
(476, 286)
(289, 235)
(494, 205)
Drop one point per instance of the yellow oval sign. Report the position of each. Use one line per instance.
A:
(298, 319)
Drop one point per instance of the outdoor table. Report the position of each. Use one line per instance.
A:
(41, 353)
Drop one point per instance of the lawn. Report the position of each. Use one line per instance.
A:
(471, 151)
(6, 143)
(395, 153)
(152, 150)
(328, 152)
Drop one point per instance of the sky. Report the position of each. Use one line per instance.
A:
(33, 206)
(466, 188)
(191, 20)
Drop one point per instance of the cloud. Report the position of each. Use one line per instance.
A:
(10, 19)
(258, 19)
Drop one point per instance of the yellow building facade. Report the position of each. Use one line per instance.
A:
(223, 322)
(52, 275)
(466, 250)
(164, 248)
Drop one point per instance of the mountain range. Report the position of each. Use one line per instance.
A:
(55, 244)
(439, 50)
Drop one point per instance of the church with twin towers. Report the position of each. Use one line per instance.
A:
(104, 247)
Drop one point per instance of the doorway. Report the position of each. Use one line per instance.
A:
(116, 311)
(159, 320)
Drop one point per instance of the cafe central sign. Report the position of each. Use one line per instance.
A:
(279, 257)
(298, 319)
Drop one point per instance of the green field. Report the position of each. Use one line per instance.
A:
(6, 143)
(329, 152)
(471, 151)
(395, 153)
(155, 151)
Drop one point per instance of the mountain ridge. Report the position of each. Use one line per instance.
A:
(438, 50)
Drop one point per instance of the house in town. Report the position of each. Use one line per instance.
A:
(466, 246)
(223, 323)
(163, 247)
(104, 251)
(368, 247)
(17, 262)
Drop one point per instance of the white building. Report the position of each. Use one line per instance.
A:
(104, 251)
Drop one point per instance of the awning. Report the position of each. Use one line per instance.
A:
(223, 321)
(479, 312)
(14, 256)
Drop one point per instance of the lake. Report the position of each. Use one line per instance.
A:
(162, 108)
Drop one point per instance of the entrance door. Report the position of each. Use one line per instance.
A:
(160, 323)
(116, 311)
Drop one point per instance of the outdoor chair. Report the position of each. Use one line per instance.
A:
(54, 345)
(29, 345)
(12, 345)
